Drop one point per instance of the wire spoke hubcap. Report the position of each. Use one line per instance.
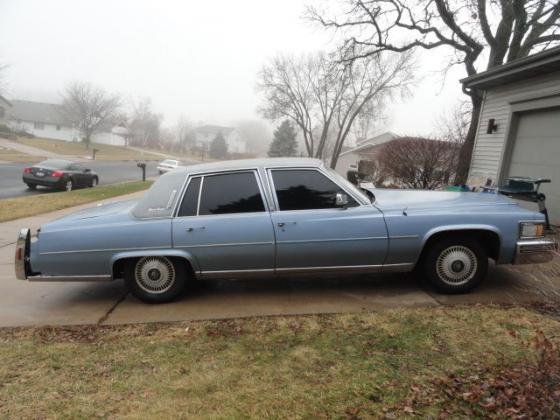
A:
(456, 265)
(154, 274)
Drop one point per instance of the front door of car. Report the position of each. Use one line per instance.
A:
(223, 222)
(313, 232)
(77, 174)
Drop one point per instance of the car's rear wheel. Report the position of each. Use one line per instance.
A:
(155, 279)
(68, 185)
(31, 186)
(455, 264)
(94, 182)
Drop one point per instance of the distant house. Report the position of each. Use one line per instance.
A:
(46, 121)
(206, 133)
(365, 150)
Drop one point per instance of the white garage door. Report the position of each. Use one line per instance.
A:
(536, 153)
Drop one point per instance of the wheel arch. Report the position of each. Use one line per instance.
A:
(118, 260)
(489, 236)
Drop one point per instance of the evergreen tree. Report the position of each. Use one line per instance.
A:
(284, 143)
(218, 147)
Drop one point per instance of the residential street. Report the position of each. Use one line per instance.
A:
(23, 303)
(109, 172)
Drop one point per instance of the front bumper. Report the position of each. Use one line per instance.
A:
(535, 251)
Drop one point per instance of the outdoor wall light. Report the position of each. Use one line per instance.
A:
(492, 126)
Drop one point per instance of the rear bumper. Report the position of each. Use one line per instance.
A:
(48, 181)
(21, 262)
(535, 251)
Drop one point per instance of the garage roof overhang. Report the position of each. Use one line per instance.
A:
(544, 62)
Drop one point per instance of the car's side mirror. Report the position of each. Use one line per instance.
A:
(341, 200)
(87, 171)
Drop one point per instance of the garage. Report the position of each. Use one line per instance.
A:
(536, 153)
(519, 125)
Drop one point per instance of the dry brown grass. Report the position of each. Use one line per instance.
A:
(9, 155)
(361, 365)
(104, 151)
(15, 208)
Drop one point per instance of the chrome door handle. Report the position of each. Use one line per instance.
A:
(191, 229)
(282, 224)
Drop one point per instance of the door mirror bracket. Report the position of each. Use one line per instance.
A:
(341, 200)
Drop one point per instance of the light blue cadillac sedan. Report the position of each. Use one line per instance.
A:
(280, 217)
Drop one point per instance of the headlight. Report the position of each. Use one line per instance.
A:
(531, 229)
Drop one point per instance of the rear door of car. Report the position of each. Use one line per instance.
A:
(313, 234)
(224, 222)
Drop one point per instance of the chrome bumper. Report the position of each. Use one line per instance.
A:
(535, 251)
(21, 262)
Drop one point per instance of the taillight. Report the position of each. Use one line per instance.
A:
(19, 254)
(57, 174)
(27, 170)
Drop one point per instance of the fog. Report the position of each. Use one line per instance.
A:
(199, 59)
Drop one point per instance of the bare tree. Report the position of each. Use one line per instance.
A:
(145, 124)
(3, 67)
(320, 92)
(89, 108)
(474, 30)
(185, 134)
(454, 125)
(418, 162)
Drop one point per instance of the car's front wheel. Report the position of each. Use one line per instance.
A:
(155, 279)
(455, 264)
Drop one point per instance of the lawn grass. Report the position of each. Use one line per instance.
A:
(15, 208)
(104, 151)
(9, 155)
(337, 366)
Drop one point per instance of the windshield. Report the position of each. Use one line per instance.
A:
(348, 185)
(160, 199)
(170, 162)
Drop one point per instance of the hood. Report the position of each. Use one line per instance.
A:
(388, 200)
(104, 213)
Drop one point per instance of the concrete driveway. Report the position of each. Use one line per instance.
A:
(23, 303)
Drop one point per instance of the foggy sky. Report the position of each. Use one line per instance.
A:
(197, 58)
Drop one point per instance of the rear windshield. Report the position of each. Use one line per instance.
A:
(160, 199)
(54, 164)
(170, 162)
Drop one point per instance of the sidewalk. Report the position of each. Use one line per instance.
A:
(28, 150)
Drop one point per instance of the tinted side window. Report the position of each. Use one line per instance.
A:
(301, 189)
(230, 193)
(190, 199)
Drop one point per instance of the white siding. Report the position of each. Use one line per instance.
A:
(108, 138)
(48, 131)
(346, 161)
(489, 148)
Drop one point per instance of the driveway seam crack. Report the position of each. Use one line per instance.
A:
(111, 309)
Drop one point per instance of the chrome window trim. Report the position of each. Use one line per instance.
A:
(202, 175)
(359, 200)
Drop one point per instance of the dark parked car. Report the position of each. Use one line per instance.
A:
(59, 174)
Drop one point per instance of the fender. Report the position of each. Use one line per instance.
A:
(158, 253)
(452, 228)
